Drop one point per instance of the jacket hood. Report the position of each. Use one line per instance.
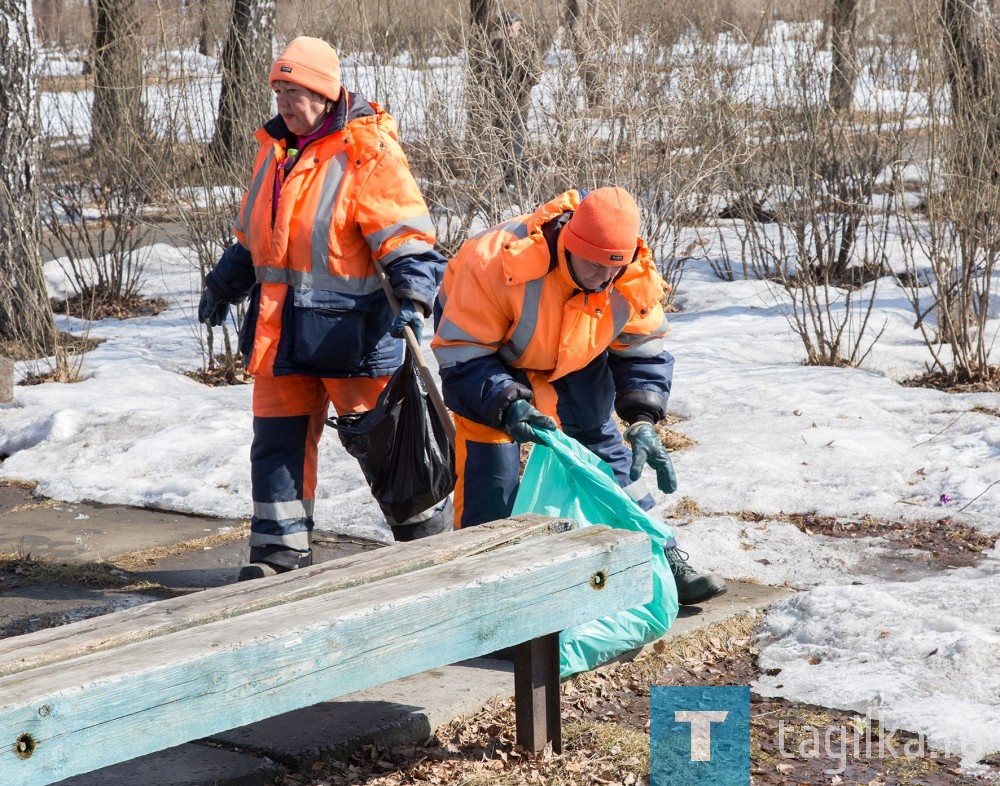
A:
(522, 260)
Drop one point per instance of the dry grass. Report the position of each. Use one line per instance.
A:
(138, 559)
(23, 568)
(686, 507)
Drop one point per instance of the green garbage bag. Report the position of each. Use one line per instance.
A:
(563, 478)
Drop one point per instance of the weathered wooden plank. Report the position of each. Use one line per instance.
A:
(111, 706)
(157, 619)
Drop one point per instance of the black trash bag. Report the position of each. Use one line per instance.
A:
(402, 446)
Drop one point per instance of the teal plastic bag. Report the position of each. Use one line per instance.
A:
(562, 478)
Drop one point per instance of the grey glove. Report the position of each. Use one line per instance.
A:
(211, 309)
(520, 420)
(409, 314)
(648, 449)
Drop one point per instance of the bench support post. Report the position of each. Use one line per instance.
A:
(536, 694)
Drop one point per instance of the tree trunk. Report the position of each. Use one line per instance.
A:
(581, 20)
(485, 17)
(972, 57)
(117, 112)
(972, 60)
(206, 38)
(51, 30)
(843, 46)
(245, 99)
(25, 314)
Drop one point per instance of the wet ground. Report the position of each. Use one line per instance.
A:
(61, 562)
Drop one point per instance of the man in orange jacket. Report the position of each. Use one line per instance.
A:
(330, 194)
(554, 319)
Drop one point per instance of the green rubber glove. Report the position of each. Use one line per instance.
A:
(647, 448)
(520, 420)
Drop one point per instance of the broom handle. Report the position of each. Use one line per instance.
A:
(414, 346)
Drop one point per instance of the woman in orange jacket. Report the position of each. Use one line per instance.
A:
(331, 193)
(554, 319)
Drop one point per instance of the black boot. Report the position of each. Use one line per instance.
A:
(271, 560)
(692, 587)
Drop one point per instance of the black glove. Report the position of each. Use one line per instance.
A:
(409, 314)
(648, 449)
(520, 420)
(211, 309)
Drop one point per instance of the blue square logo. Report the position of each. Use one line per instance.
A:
(699, 736)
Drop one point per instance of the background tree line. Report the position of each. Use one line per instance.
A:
(642, 94)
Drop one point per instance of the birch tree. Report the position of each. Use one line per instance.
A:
(25, 315)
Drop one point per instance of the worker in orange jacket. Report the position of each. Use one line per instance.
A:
(554, 319)
(331, 193)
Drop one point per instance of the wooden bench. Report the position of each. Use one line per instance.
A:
(108, 689)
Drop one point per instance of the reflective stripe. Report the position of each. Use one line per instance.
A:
(637, 489)
(460, 353)
(279, 511)
(243, 219)
(410, 247)
(347, 285)
(517, 228)
(449, 331)
(292, 540)
(419, 518)
(638, 338)
(621, 311)
(323, 218)
(526, 324)
(420, 224)
(648, 349)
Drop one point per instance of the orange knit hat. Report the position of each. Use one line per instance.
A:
(604, 228)
(311, 63)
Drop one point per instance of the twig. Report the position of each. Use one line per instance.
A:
(932, 436)
(977, 496)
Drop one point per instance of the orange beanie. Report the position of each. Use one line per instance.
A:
(604, 228)
(311, 63)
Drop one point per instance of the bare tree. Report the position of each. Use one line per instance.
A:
(25, 314)
(245, 98)
(206, 38)
(581, 21)
(804, 185)
(966, 249)
(843, 45)
(972, 59)
(117, 112)
(484, 15)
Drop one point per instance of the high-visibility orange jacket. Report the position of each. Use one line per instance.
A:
(511, 320)
(348, 198)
